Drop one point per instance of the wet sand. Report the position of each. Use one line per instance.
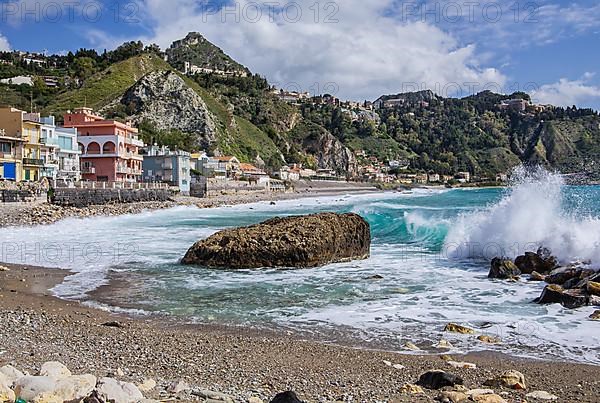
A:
(241, 362)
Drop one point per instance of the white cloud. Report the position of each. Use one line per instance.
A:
(4, 45)
(366, 53)
(567, 92)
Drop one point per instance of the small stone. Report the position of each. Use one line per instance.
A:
(411, 389)
(410, 346)
(476, 392)
(437, 379)
(4, 268)
(113, 324)
(452, 396)
(595, 315)
(489, 339)
(453, 327)
(254, 399)
(120, 372)
(509, 379)
(286, 397)
(491, 398)
(444, 344)
(177, 387)
(460, 364)
(535, 276)
(147, 385)
(541, 395)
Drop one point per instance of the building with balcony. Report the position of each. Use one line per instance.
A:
(163, 165)
(22, 131)
(61, 156)
(109, 149)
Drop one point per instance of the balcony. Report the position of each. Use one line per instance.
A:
(33, 161)
(134, 141)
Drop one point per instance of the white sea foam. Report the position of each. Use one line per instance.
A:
(531, 214)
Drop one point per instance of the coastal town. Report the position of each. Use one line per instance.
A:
(90, 148)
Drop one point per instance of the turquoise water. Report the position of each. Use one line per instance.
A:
(432, 248)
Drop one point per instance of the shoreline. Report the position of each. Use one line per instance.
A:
(242, 362)
(43, 213)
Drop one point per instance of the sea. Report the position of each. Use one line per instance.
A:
(430, 257)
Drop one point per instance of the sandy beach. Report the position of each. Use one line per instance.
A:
(240, 362)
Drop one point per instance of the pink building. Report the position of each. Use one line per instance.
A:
(109, 149)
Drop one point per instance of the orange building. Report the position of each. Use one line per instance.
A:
(109, 149)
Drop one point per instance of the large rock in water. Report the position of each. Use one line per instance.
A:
(301, 241)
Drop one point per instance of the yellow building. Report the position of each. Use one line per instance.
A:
(22, 132)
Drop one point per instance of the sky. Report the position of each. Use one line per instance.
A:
(355, 49)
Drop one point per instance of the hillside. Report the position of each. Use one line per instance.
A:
(228, 110)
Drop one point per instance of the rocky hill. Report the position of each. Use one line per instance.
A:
(198, 51)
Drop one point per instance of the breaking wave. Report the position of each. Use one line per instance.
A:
(535, 211)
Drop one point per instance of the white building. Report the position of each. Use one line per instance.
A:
(18, 80)
(61, 152)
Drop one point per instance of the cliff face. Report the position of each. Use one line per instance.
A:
(327, 150)
(165, 99)
(332, 154)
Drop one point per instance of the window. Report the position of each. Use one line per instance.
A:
(5, 148)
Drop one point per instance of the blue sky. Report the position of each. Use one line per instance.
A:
(359, 48)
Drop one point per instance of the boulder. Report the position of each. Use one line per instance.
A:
(531, 262)
(552, 294)
(437, 379)
(503, 269)
(286, 397)
(574, 299)
(595, 315)
(509, 379)
(562, 275)
(30, 388)
(122, 392)
(6, 393)
(593, 288)
(555, 294)
(11, 374)
(302, 241)
(54, 369)
(51, 389)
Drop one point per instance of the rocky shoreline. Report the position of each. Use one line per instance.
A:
(573, 285)
(212, 364)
